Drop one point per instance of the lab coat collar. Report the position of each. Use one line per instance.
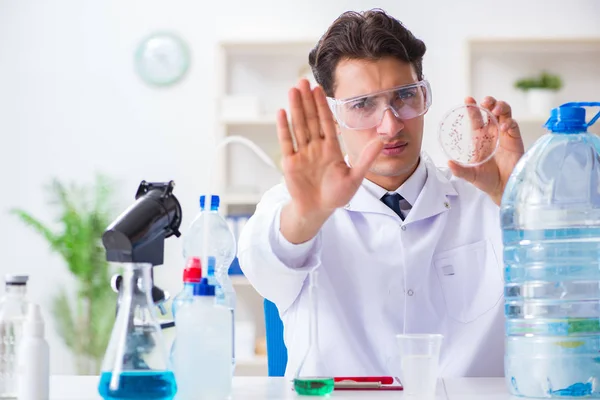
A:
(409, 190)
(432, 200)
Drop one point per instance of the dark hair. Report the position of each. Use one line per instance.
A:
(370, 35)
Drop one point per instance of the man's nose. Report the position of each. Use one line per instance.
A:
(390, 124)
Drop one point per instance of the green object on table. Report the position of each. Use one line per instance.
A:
(583, 326)
(314, 386)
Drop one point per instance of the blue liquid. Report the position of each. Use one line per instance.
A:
(552, 294)
(147, 385)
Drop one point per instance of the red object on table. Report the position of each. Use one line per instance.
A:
(367, 383)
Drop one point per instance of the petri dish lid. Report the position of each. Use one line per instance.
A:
(469, 134)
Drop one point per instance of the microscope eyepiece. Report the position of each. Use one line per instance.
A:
(138, 234)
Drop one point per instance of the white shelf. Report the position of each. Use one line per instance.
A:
(258, 121)
(241, 198)
(268, 46)
(262, 70)
(529, 46)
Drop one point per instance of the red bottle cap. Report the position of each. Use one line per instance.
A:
(193, 271)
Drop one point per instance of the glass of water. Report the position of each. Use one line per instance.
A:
(419, 359)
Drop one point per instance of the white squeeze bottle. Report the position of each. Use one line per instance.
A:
(33, 369)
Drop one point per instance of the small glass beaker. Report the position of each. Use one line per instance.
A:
(135, 364)
(309, 379)
(469, 134)
(419, 359)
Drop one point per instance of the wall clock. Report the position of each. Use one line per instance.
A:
(162, 59)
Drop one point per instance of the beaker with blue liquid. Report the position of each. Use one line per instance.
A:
(136, 365)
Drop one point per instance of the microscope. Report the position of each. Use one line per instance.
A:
(139, 233)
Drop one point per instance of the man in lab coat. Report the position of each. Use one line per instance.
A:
(398, 244)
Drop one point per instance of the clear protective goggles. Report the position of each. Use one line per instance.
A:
(367, 111)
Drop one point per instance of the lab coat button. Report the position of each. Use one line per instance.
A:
(410, 292)
(403, 227)
(447, 205)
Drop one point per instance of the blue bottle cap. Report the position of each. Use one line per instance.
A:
(204, 288)
(214, 202)
(567, 119)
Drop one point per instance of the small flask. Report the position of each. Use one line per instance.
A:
(310, 379)
(136, 365)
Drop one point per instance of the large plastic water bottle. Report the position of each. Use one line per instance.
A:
(551, 228)
(202, 358)
(210, 238)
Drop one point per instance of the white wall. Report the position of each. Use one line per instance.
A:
(71, 104)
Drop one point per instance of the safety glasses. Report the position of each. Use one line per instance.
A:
(366, 112)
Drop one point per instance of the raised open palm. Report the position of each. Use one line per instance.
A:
(317, 177)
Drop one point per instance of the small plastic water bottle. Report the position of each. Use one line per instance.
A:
(210, 239)
(192, 274)
(550, 216)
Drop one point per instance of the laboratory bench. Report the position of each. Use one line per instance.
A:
(65, 387)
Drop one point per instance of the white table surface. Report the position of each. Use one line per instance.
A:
(65, 387)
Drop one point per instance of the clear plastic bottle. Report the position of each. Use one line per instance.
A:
(192, 274)
(550, 216)
(202, 358)
(310, 379)
(210, 238)
(135, 364)
(13, 309)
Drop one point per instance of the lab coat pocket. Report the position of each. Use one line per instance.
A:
(471, 280)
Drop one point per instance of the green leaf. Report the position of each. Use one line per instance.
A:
(544, 81)
(37, 226)
(84, 319)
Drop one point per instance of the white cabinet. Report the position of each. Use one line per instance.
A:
(253, 84)
(495, 64)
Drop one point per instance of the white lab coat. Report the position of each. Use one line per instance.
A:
(450, 249)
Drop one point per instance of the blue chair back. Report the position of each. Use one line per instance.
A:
(276, 350)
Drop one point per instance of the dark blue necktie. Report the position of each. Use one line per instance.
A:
(393, 202)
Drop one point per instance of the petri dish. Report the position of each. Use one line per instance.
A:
(469, 134)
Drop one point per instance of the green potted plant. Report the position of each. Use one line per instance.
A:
(84, 319)
(540, 91)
